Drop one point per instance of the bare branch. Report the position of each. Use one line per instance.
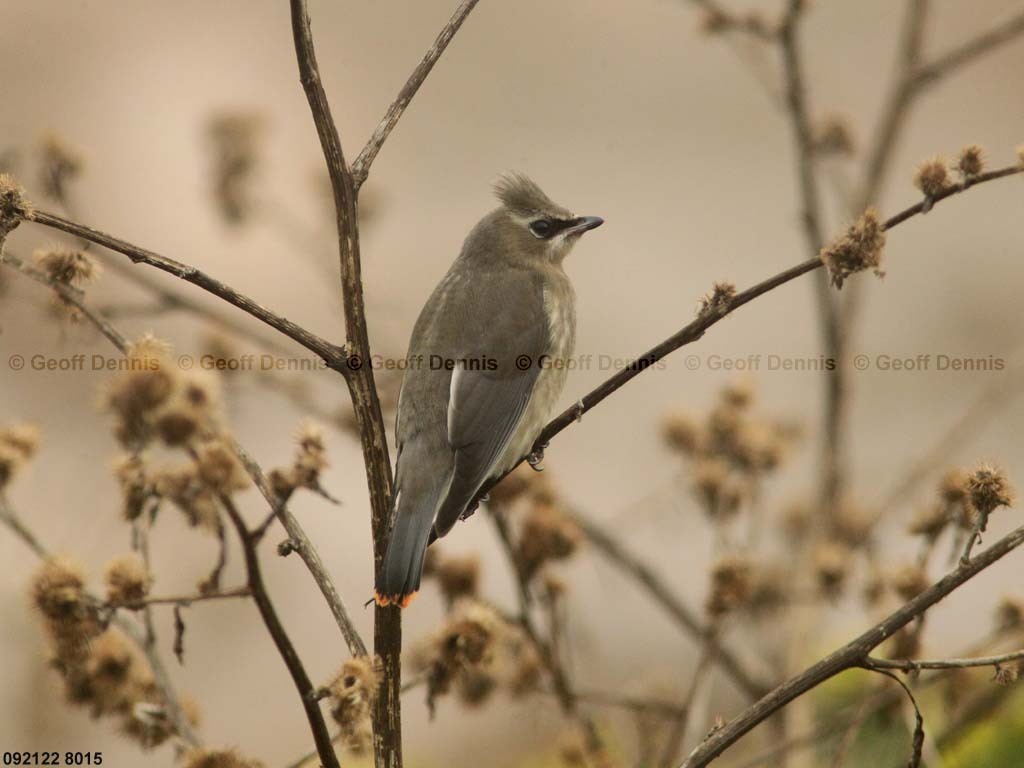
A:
(181, 600)
(361, 167)
(332, 355)
(659, 591)
(305, 687)
(913, 665)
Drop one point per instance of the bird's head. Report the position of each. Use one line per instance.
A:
(533, 225)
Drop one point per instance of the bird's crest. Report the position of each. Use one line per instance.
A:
(521, 195)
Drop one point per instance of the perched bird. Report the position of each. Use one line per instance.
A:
(484, 369)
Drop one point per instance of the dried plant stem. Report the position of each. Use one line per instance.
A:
(361, 166)
(700, 675)
(332, 355)
(560, 683)
(616, 553)
(300, 542)
(853, 654)
(914, 665)
(182, 600)
(305, 687)
(387, 714)
(144, 638)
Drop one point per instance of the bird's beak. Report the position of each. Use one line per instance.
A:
(584, 224)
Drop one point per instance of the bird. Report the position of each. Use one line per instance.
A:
(485, 366)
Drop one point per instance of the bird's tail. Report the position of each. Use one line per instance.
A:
(399, 576)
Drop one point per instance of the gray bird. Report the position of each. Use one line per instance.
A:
(482, 370)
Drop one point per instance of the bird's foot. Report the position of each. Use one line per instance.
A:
(536, 457)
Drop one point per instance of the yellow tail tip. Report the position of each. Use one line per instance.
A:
(402, 601)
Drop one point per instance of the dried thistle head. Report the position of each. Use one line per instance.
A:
(58, 592)
(14, 207)
(236, 140)
(831, 566)
(732, 579)
(60, 164)
(310, 460)
(930, 521)
(796, 520)
(107, 679)
(352, 694)
(458, 576)
(834, 136)
(23, 439)
(719, 493)
(932, 177)
(1006, 674)
(546, 534)
(466, 641)
(718, 301)
(127, 579)
(852, 524)
(989, 489)
(218, 466)
(970, 162)
(909, 581)
(18, 444)
(858, 249)
(714, 21)
(183, 487)
(202, 757)
(70, 266)
(139, 389)
(1009, 614)
(132, 473)
(683, 433)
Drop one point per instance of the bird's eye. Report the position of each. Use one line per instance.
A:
(541, 227)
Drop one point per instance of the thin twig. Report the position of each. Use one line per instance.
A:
(361, 166)
(304, 686)
(332, 355)
(913, 665)
(183, 600)
(614, 550)
(560, 682)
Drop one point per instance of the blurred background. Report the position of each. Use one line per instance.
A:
(627, 111)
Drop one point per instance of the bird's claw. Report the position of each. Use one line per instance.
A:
(536, 457)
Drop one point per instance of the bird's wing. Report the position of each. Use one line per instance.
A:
(485, 406)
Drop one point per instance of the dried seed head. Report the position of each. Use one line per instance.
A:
(874, 588)
(909, 581)
(14, 208)
(139, 389)
(732, 580)
(23, 439)
(353, 693)
(858, 249)
(236, 140)
(971, 161)
(67, 265)
(1007, 674)
(989, 490)
(831, 566)
(714, 21)
(932, 177)
(852, 524)
(1009, 614)
(833, 136)
(183, 487)
(107, 679)
(683, 433)
(718, 301)
(60, 164)
(458, 576)
(547, 533)
(514, 486)
(217, 758)
(796, 520)
(220, 469)
(58, 591)
(719, 494)
(930, 521)
(136, 489)
(127, 579)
